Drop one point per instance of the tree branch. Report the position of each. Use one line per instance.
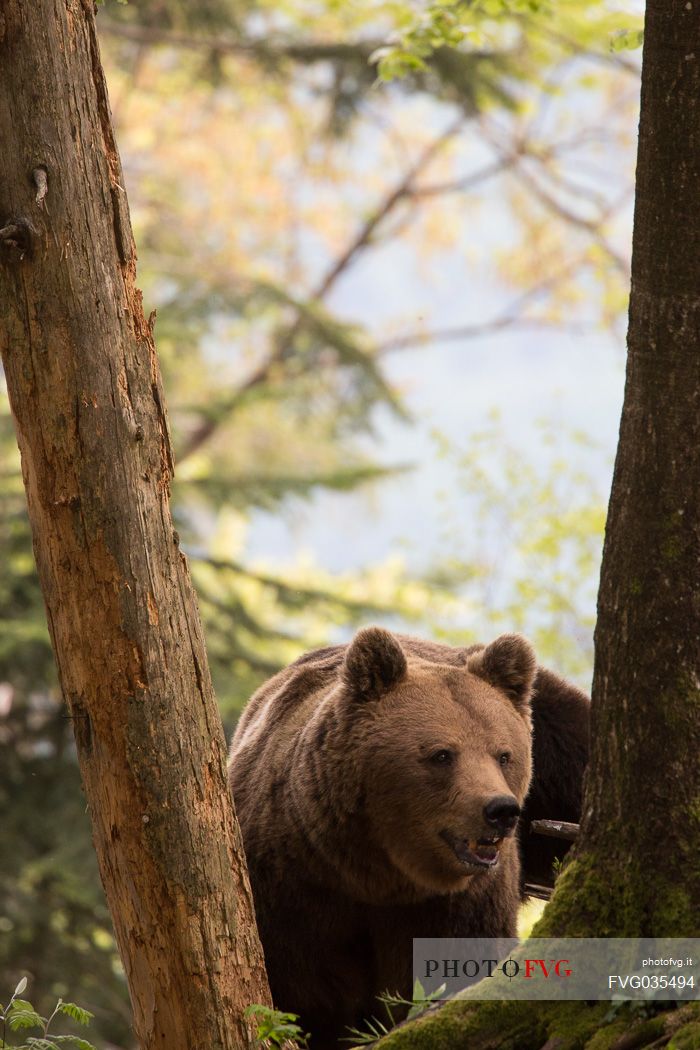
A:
(514, 157)
(510, 317)
(287, 590)
(402, 190)
(303, 52)
(460, 333)
(462, 185)
(591, 226)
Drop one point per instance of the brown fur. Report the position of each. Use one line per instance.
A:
(344, 812)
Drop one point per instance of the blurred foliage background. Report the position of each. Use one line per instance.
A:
(273, 150)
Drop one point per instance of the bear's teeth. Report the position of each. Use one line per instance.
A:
(486, 847)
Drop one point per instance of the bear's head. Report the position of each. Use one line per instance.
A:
(443, 753)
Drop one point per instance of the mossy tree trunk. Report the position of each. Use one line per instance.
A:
(460, 1025)
(85, 391)
(636, 869)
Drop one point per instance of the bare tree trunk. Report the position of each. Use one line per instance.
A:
(85, 391)
(637, 864)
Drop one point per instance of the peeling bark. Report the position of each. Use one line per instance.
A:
(85, 391)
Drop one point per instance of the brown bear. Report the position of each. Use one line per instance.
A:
(378, 787)
(560, 745)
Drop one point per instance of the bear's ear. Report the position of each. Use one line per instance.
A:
(374, 662)
(510, 664)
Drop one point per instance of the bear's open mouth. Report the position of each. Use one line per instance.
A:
(481, 853)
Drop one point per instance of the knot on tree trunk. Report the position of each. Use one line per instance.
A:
(17, 238)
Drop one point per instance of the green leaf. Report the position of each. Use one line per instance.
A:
(74, 1040)
(42, 1044)
(397, 63)
(18, 1019)
(422, 999)
(418, 992)
(626, 39)
(375, 1030)
(274, 1027)
(76, 1012)
(21, 1004)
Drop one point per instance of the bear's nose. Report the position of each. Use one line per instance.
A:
(502, 812)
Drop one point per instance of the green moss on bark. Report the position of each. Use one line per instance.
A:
(591, 902)
(499, 1026)
(686, 1038)
(583, 905)
(529, 1026)
(463, 1026)
(606, 1038)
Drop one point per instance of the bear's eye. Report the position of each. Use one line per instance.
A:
(443, 757)
(504, 758)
